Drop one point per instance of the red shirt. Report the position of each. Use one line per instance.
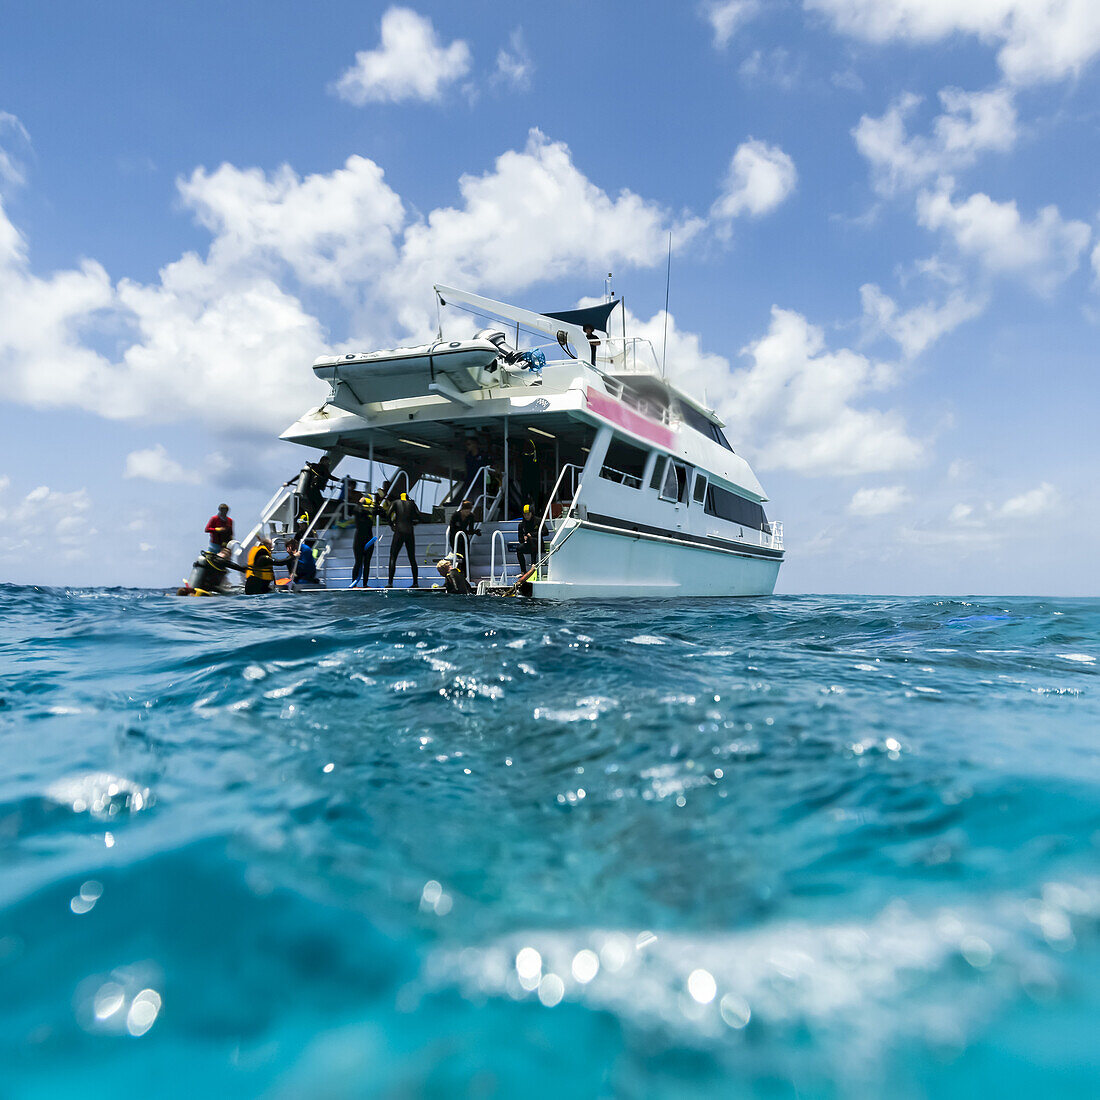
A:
(220, 530)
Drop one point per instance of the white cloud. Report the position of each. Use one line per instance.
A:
(514, 64)
(727, 17)
(918, 328)
(801, 405)
(760, 177)
(410, 63)
(330, 230)
(1037, 39)
(155, 464)
(878, 502)
(45, 516)
(1045, 251)
(1035, 502)
(11, 171)
(221, 339)
(534, 217)
(972, 123)
(797, 406)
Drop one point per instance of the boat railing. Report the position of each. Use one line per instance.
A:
(498, 535)
(569, 474)
(609, 473)
(775, 533)
(485, 499)
(461, 549)
(267, 515)
(617, 388)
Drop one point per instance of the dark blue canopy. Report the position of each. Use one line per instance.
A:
(596, 316)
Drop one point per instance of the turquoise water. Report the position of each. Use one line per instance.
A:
(335, 846)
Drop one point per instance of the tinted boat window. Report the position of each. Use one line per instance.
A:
(624, 463)
(729, 506)
(700, 489)
(658, 472)
(695, 419)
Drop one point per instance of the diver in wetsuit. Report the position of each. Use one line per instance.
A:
(454, 579)
(209, 572)
(363, 514)
(260, 574)
(527, 534)
(403, 517)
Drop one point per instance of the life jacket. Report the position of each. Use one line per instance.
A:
(260, 565)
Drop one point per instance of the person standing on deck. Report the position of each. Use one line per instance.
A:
(527, 539)
(475, 460)
(593, 341)
(403, 517)
(220, 528)
(363, 515)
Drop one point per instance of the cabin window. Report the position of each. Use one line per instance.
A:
(658, 472)
(676, 482)
(695, 419)
(700, 490)
(624, 463)
(723, 504)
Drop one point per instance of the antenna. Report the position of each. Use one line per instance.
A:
(668, 280)
(607, 292)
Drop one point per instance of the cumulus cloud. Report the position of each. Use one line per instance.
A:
(329, 230)
(971, 123)
(915, 329)
(878, 502)
(760, 177)
(1038, 39)
(409, 64)
(727, 17)
(61, 518)
(532, 203)
(226, 339)
(1044, 251)
(803, 405)
(514, 63)
(11, 170)
(1035, 502)
(155, 464)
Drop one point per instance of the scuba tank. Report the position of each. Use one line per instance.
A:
(302, 486)
(198, 573)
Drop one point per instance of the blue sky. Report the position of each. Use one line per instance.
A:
(885, 224)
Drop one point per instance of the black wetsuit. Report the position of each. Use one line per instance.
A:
(465, 524)
(403, 518)
(527, 533)
(213, 570)
(456, 583)
(364, 532)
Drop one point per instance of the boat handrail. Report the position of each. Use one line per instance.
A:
(633, 480)
(278, 499)
(498, 534)
(576, 471)
(461, 538)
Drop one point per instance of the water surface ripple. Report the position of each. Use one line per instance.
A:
(336, 846)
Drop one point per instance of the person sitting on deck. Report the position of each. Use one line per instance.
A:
(403, 517)
(462, 521)
(454, 579)
(220, 528)
(527, 535)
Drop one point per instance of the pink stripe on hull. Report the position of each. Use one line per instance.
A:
(625, 417)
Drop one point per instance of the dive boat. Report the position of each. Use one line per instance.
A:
(633, 483)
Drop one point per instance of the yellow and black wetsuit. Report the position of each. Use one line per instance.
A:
(261, 571)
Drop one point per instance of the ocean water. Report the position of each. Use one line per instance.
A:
(328, 846)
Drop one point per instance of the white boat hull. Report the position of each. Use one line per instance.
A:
(596, 564)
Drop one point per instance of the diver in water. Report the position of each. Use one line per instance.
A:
(209, 573)
(403, 517)
(454, 579)
(260, 573)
